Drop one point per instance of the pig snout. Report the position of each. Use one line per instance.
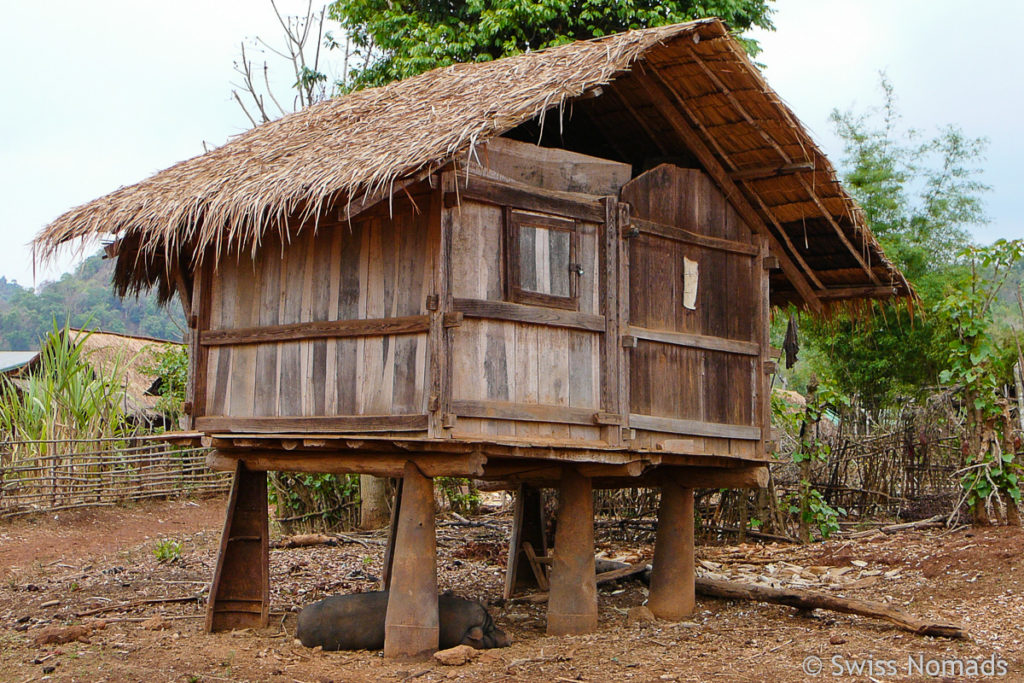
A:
(467, 622)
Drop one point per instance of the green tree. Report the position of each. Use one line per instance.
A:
(919, 196)
(86, 299)
(395, 40)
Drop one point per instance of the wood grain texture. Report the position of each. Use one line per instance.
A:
(332, 322)
(501, 310)
(473, 187)
(327, 424)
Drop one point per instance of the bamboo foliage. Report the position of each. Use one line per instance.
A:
(62, 398)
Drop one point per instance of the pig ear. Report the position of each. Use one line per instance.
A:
(475, 633)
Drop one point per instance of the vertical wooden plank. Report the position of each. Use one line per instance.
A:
(320, 309)
(308, 245)
(553, 373)
(608, 288)
(624, 304)
(526, 386)
(440, 231)
(467, 361)
(408, 298)
(582, 380)
(199, 366)
(762, 411)
(267, 375)
(293, 268)
(243, 366)
(349, 293)
(223, 299)
(333, 379)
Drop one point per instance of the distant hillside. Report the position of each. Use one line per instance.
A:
(86, 298)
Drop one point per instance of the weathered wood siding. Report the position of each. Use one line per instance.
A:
(692, 371)
(379, 270)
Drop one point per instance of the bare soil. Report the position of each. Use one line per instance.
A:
(104, 559)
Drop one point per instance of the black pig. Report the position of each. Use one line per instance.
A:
(356, 622)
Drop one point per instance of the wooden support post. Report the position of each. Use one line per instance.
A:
(411, 621)
(389, 549)
(240, 592)
(572, 606)
(527, 527)
(672, 587)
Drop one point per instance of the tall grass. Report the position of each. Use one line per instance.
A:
(62, 404)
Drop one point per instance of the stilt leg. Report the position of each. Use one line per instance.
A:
(527, 526)
(672, 591)
(240, 593)
(572, 602)
(389, 549)
(411, 625)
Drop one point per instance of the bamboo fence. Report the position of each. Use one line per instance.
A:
(46, 476)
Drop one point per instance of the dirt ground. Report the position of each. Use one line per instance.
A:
(55, 570)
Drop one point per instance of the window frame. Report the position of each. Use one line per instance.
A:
(515, 220)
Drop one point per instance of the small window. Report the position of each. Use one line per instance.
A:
(541, 266)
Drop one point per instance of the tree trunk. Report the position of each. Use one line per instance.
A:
(373, 502)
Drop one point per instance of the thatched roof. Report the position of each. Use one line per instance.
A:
(592, 96)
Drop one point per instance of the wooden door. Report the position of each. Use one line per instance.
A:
(695, 332)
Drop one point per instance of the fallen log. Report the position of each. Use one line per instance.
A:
(808, 600)
(622, 572)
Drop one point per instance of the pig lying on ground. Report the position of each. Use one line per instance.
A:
(356, 622)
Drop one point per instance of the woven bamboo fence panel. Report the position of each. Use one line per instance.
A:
(62, 475)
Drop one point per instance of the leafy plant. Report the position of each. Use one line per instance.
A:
(314, 501)
(977, 370)
(461, 496)
(171, 368)
(813, 509)
(167, 551)
(395, 40)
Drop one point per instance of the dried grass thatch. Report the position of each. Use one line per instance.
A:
(282, 175)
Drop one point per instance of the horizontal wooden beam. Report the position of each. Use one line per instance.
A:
(535, 470)
(347, 462)
(858, 293)
(753, 477)
(312, 425)
(763, 172)
(538, 315)
(695, 341)
(673, 425)
(681, 235)
(527, 412)
(459, 186)
(373, 327)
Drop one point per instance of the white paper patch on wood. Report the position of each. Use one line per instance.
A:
(689, 284)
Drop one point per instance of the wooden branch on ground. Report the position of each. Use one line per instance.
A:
(198, 597)
(930, 523)
(805, 600)
(808, 600)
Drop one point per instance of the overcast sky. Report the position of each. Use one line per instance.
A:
(103, 94)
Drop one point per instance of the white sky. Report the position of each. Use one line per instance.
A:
(103, 94)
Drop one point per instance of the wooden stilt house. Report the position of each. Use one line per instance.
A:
(548, 270)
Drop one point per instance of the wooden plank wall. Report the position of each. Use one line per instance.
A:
(698, 365)
(544, 374)
(377, 268)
